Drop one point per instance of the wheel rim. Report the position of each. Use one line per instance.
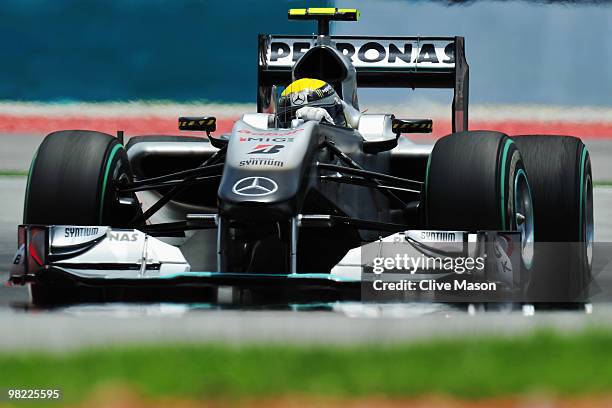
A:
(524, 217)
(588, 225)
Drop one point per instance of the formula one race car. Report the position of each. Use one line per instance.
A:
(285, 207)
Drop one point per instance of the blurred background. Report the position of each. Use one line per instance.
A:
(520, 52)
(172, 50)
(536, 67)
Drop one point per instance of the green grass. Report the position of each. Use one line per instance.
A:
(470, 368)
(606, 183)
(13, 173)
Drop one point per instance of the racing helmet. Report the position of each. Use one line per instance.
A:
(309, 92)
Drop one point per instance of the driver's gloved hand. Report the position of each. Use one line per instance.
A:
(310, 113)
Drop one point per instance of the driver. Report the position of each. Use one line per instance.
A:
(310, 99)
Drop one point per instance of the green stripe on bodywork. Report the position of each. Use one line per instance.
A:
(582, 163)
(503, 181)
(106, 173)
(27, 194)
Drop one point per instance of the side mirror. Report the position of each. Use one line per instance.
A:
(198, 123)
(203, 124)
(400, 126)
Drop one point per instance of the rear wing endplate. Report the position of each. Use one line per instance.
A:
(380, 62)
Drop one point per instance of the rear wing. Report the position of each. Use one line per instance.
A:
(380, 62)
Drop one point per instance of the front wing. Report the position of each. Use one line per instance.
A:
(105, 256)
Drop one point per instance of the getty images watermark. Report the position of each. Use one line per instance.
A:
(416, 265)
(487, 266)
(402, 264)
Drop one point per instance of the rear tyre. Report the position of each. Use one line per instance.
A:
(559, 170)
(71, 182)
(476, 180)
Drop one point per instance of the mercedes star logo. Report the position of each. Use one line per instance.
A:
(255, 186)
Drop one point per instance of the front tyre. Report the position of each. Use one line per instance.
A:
(72, 178)
(476, 180)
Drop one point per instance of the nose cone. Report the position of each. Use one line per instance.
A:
(265, 171)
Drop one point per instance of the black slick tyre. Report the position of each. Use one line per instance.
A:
(560, 174)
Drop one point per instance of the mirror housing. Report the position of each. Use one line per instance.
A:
(198, 123)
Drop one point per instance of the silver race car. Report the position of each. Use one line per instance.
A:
(303, 209)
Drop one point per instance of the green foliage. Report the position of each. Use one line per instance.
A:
(467, 367)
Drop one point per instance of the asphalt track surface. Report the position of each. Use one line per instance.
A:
(85, 327)
(90, 325)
